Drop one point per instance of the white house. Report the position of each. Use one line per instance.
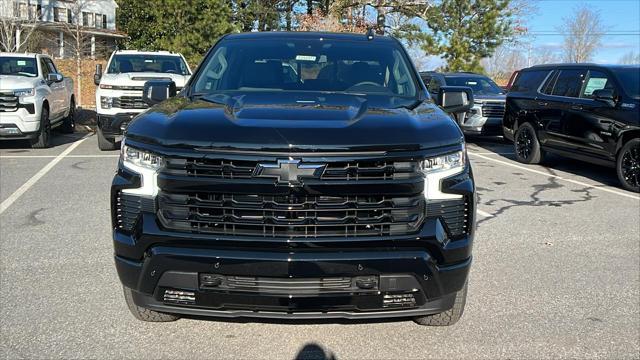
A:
(57, 20)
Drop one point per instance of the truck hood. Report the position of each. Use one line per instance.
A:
(139, 78)
(12, 82)
(292, 122)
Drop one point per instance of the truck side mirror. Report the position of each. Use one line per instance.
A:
(54, 77)
(605, 95)
(98, 75)
(455, 99)
(157, 91)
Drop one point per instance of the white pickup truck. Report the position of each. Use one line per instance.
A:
(119, 92)
(34, 98)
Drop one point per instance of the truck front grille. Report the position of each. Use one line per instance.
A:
(8, 102)
(290, 215)
(236, 169)
(129, 102)
(493, 109)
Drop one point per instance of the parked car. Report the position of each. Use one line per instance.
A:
(485, 117)
(339, 190)
(584, 111)
(119, 92)
(34, 98)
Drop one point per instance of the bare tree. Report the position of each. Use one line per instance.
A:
(630, 58)
(77, 40)
(18, 21)
(582, 34)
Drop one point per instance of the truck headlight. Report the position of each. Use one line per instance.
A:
(144, 163)
(24, 92)
(106, 102)
(440, 167)
(452, 161)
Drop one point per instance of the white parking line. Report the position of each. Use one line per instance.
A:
(484, 213)
(54, 156)
(593, 186)
(34, 179)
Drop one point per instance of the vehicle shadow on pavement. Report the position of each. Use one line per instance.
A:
(301, 322)
(57, 139)
(601, 174)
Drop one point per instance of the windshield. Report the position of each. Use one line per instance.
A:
(479, 85)
(318, 65)
(629, 77)
(22, 66)
(148, 63)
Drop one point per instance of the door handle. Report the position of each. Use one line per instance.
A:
(576, 107)
(542, 103)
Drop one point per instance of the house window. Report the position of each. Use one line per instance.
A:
(104, 21)
(69, 16)
(85, 18)
(23, 11)
(98, 21)
(60, 14)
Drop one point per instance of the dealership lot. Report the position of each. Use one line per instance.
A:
(556, 271)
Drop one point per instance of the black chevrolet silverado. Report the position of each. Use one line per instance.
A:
(297, 175)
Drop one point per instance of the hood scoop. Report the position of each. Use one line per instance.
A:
(269, 110)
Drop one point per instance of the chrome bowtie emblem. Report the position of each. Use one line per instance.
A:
(289, 172)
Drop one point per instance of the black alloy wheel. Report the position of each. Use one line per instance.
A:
(629, 165)
(524, 143)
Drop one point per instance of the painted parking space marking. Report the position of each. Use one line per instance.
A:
(54, 156)
(34, 179)
(524, 168)
(484, 213)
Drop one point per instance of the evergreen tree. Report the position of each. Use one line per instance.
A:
(190, 28)
(466, 31)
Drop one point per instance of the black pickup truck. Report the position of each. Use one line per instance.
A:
(297, 175)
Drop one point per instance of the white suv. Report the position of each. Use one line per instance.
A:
(34, 98)
(119, 93)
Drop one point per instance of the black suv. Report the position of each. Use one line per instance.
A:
(485, 117)
(297, 175)
(584, 111)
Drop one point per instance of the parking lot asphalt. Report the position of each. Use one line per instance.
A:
(556, 272)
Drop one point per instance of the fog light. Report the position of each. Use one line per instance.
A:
(398, 300)
(179, 296)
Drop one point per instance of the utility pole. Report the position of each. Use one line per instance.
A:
(381, 19)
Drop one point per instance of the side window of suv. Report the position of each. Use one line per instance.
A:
(597, 80)
(529, 80)
(569, 83)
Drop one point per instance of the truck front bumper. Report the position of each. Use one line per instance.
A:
(482, 126)
(293, 284)
(23, 123)
(114, 125)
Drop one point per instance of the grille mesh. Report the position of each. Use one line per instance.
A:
(237, 169)
(8, 102)
(291, 216)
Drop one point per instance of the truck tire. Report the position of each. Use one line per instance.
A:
(628, 165)
(145, 314)
(69, 123)
(43, 140)
(527, 146)
(448, 317)
(105, 143)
